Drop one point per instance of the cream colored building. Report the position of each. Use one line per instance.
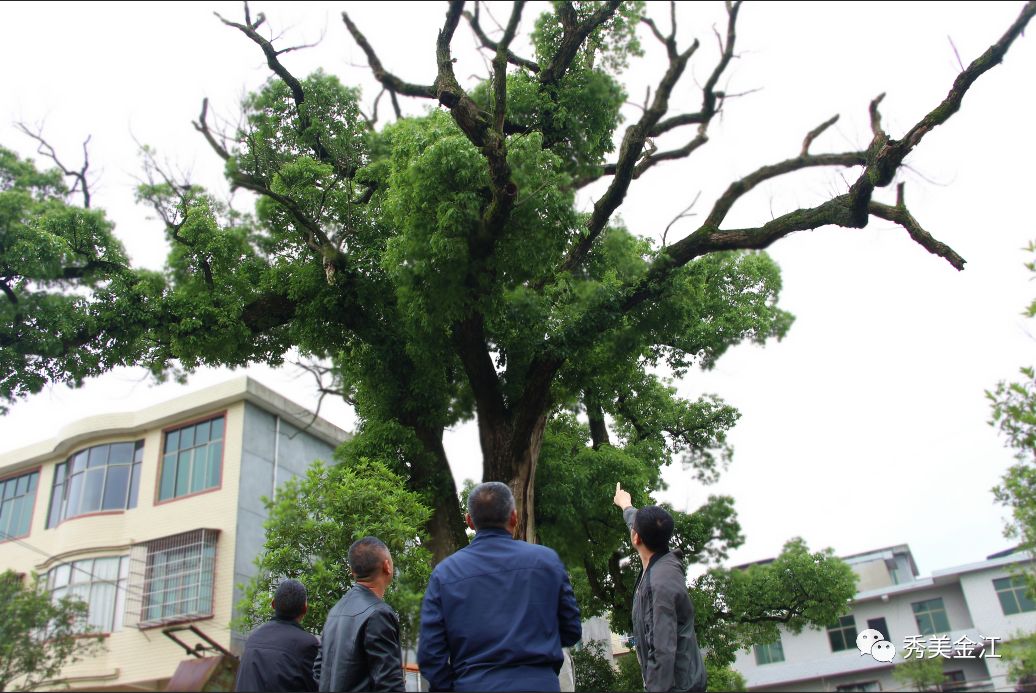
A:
(154, 518)
(960, 616)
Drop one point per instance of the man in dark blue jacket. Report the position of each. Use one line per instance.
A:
(497, 613)
(279, 654)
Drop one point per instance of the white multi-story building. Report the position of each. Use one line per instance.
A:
(154, 517)
(961, 615)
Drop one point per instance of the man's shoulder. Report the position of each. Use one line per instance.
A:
(276, 631)
(668, 573)
(462, 562)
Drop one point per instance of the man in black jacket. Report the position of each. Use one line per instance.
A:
(663, 616)
(359, 650)
(279, 654)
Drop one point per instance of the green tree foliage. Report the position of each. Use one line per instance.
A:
(1019, 653)
(799, 589)
(313, 521)
(724, 678)
(629, 676)
(39, 637)
(592, 669)
(1014, 416)
(920, 673)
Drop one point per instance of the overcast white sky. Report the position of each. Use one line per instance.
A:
(865, 427)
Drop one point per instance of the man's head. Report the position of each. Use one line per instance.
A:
(653, 527)
(370, 561)
(491, 505)
(289, 601)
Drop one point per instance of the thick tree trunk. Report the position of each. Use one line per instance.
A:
(432, 476)
(513, 462)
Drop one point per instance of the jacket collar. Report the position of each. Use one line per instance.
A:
(290, 622)
(492, 532)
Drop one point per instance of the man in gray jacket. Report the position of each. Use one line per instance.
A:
(663, 616)
(359, 650)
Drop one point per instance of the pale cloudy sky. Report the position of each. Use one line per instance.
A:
(865, 427)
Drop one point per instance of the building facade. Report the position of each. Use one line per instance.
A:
(155, 518)
(960, 615)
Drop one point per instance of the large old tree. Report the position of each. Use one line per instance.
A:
(440, 264)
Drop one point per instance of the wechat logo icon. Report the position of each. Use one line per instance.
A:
(873, 643)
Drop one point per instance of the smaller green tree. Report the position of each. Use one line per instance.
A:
(313, 521)
(735, 609)
(724, 678)
(1019, 653)
(592, 669)
(922, 674)
(38, 636)
(629, 676)
(1014, 416)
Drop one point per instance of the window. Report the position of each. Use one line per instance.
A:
(861, 686)
(769, 653)
(931, 616)
(879, 625)
(192, 459)
(17, 498)
(101, 478)
(1012, 592)
(842, 634)
(954, 682)
(100, 582)
(178, 577)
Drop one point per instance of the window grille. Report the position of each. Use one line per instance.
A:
(176, 574)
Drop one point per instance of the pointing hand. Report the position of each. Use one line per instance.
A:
(622, 498)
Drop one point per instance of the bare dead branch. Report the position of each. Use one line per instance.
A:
(372, 120)
(632, 162)
(686, 212)
(81, 184)
(500, 62)
(388, 80)
(875, 115)
(512, 58)
(249, 29)
(900, 215)
(993, 56)
(816, 132)
(202, 126)
(739, 188)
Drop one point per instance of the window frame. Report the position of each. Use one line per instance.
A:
(135, 466)
(767, 648)
(929, 613)
(840, 628)
(170, 544)
(117, 616)
(37, 470)
(158, 500)
(1016, 592)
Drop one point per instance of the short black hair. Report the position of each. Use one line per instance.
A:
(655, 527)
(490, 505)
(365, 555)
(289, 601)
